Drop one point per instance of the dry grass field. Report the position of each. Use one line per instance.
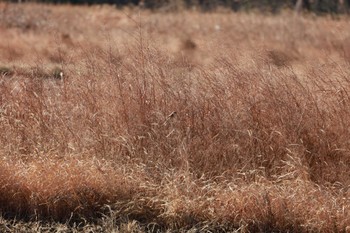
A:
(138, 121)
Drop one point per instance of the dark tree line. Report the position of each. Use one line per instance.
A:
(319, 6)
(337, 6)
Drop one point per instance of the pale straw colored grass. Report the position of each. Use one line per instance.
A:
(259, 141)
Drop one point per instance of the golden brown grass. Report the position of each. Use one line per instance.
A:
(136, 121)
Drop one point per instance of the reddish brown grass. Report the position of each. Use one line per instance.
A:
(140, 121)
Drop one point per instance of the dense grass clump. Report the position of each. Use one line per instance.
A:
(140, 121)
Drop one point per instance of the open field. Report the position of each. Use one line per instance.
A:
(133, 121)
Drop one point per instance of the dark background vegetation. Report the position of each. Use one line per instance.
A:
(317, 6)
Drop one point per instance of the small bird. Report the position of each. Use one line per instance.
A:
(169, 117)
